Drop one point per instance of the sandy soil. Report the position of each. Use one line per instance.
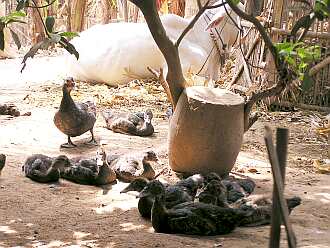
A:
(72, 215)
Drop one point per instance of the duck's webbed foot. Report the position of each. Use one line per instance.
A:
(92, 141)
(69, 144)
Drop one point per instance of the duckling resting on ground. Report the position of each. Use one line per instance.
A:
(215, 192)
(261, 209)
(2, 162)
(191, 217)
(135, 124)
(131, 166)
(74, 119)
(44, 169)
(191, 184)
(236, 188)
(90, 171)
(174, 195)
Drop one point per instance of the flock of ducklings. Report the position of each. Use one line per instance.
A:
(199, 205)
(203, 204)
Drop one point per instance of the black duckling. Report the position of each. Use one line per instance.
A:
(128, 167)
(74, 119)
(44, 169)
(238, 188)
(195, 218)
(90, 171)
(174, 195)
(2, 162)
(261, 209)
(191, 184)
(215, 192)
(127, 123)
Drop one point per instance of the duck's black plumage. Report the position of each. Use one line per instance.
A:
(215, 192)
(90, 171)
(191, 184)
(74, 119)
(44, 169)
(174, 195)
(191, 217)
(138, 124)
(261, 209)
(2, 161)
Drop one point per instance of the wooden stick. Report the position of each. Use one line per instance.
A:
(240, 69)
(160, 76)
(309, 34)
(302, 106)
(281, 149)
(278, 182)
(319, 66)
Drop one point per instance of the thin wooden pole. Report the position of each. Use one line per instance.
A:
(278, 183)
(281, 149)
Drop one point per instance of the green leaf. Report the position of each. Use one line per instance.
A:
(50, 21)
(2, 40)
(16, 38)
(307, 82)
(17, 14)
(69, 35)
(69, 47)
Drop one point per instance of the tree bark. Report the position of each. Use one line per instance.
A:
(37, 27)
(106, 15)
(78, 8)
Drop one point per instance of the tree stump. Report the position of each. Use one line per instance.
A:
(206, 131)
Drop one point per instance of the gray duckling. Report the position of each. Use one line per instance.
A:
(194, 218)
(138, 124)
(90, 171)
(74, 119)
(44, 169)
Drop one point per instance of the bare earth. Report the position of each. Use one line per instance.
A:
(72, 215)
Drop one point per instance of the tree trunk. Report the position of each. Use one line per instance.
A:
(191, 7)
(254, 7)
(206, 131)
(106, 15)
(37, 27)
(78, 8)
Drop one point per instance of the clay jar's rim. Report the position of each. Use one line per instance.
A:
(214, 95)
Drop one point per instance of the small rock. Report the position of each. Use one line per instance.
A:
(35, 232)
(77, 198)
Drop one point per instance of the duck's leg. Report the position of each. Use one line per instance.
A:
(92, 141)
(69, 144)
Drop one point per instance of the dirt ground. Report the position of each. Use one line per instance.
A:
(72, 215)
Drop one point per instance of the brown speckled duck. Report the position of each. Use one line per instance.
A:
(138, 124)
(44, 169)
(135, 165)
(2, 162)
(90, 171)
(74, 119)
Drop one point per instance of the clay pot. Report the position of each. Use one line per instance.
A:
(206, 131)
